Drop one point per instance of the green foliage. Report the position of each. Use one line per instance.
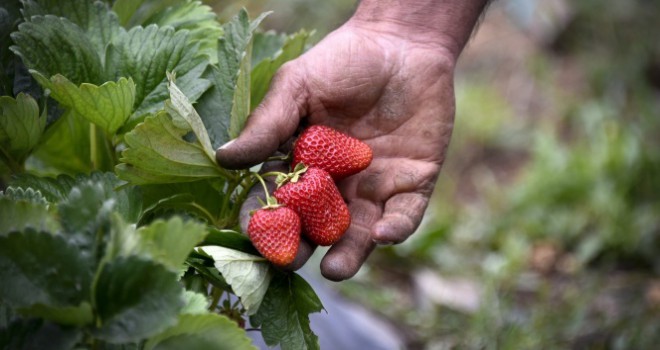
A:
(191, 15)
(92, 17)
(18, 212)
(158, 151)
(225, 107)
(38, 334)
(81, 63)
(547, 203)
(66, 146)
(200, 332)
(9, 17)
(101, 253)
(161, 241)
(107, 106)
(49, 280)
(135, 298)
(274, 56)
(21, 126)
(619, 204)
(283, 315)
(249, 275)
(146, 55)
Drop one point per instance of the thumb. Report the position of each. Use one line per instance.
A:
(271, 124)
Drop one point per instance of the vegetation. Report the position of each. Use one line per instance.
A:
(118, 229)
(548, 213)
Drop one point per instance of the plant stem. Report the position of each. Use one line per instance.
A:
(285, 158)
(271, 173)
(217, 294)
(93, 145)
(15, 167)
(263, 184)
(231, 187)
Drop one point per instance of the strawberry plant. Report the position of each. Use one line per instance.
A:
(118, 229)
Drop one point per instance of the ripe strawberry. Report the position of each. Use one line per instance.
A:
(314, 196)
(275, 232)
(337, 153)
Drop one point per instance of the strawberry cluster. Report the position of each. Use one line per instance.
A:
(307, 201)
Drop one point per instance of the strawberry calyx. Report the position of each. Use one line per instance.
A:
(271, 203)
(293, 176)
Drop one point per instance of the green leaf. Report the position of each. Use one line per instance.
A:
(107, 106)
(66, 145)
(248, 275)
(54, 190)
(17, 214)
(158, 153)
(93, 17)
(201, 199)
(225, 107)
(91, 199)
(196, 303)
(125, 9)
(28, 195)
(80, 315)
(21, 127)
(204, 331)
(37, 334)
(146, 55)
(197, 18)
(204, 266)
(160, 150)
(266, 45)
(135, 298)
(263, 72)
(136, 12)
(45, 275)
(40, 44)
(181, 109)
(230, 239)
(127, 199)
(86, 211)
(167, 242)
(284, 313)
(10, 16)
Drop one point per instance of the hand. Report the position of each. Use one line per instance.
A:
(393, 93)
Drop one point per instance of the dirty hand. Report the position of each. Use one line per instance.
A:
(390, 89)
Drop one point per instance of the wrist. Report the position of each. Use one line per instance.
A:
(444, 24)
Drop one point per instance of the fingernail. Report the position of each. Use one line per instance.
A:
(227, 144)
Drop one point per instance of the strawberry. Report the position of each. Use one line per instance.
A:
(339, 154)
(312, 194)
(275, 232)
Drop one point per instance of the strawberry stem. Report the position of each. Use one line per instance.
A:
(271, 202)
(285, 158)
(272, 173)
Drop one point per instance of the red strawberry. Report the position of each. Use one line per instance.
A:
(337, 153)
(314, 196)
(275, 232)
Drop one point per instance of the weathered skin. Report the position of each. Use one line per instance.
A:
(385, 77)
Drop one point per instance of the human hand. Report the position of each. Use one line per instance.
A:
(394, 93)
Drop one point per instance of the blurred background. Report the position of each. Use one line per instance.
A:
(544, 229)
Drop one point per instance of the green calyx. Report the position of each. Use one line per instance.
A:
(270, 203)
(293, 176)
